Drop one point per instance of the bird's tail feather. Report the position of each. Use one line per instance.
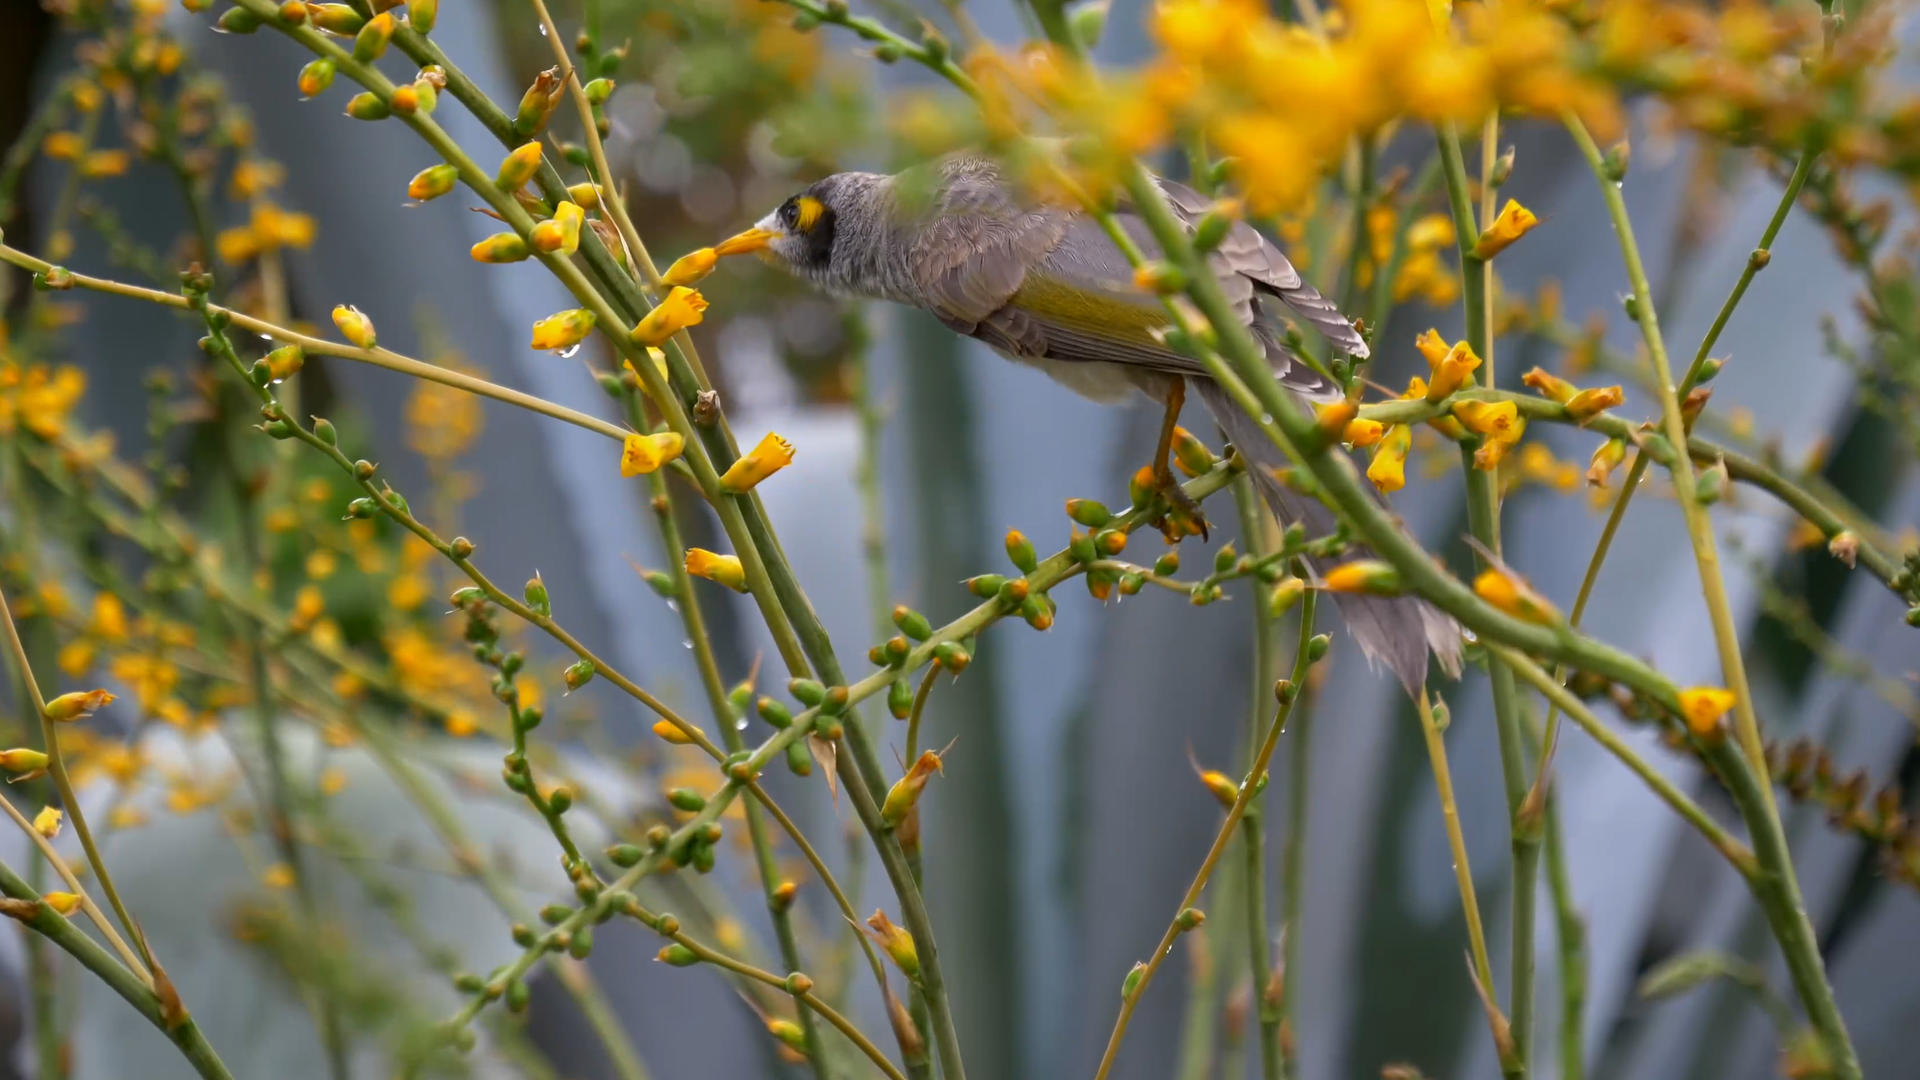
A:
(1397, 631)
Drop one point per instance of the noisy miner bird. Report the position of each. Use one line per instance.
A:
(1045, 286)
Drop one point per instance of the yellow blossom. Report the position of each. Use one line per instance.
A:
(354, 326)
(904, 795)
(62, 145)
(1606, 458)
(78, 705)
(1389, 468)
(101, 163)
(1513, 222)
(519, 166)
(333, 780)
(1494, 419)
(1588, 404)
(126, 817)
(642, 454)
(1362, 432)
(65, 903)
(769, 456)
(1452, 371)
(561, 232)
(1548, 385)
(691, 267)
(75, 658)
(1703, 706)
(896, 941)
(278, 876)
(23, 762)
(109, 622)
(460, 723)
(406, 592)
(1363, 576)
(47, 822)
(722, 569)
(1508, 592)
(670, 732)
(1432, 346)
(682, 308)
(431, 182)
(563, 330)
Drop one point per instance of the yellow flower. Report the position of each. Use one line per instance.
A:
(278, 876)
(682, 308)
(771, 455)
(460, 724)
(1548, 385)
(431, 182)
(47, 822)
(62, 146)
(1362, 432)
(904, 795)
(895, 940)
(126, 817)
(519, 166)
(667, 731)
(333, 781)
(1511, 594)
(691, 267)
(642, 454)
(722, 569)
(561, 232)
(1606, 458)
(22, 762)
(1494, 419)
(75, 658)
(1432, 346)
(1703, 706)
(1514, 222)
(502, 247)
(563, 330)
(109, 621)
(1364, 576)
(354, 326)
(1389, 468)
(1588, 404)
(1452, 371)
(99, 163)
(65, 903)
(78, 705)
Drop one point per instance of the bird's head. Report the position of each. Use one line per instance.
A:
(801, 232)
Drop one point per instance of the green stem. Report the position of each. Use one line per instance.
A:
(170, 1018)
(1249, 786)
(1483, 517)
(1790, 923)
(1253, 537)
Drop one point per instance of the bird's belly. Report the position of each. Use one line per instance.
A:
(1095, 380)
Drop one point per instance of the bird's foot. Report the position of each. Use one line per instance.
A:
(1183, 517)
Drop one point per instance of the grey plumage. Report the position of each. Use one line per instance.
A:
(1045, 286)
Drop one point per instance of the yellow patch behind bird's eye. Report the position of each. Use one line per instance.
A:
(807, 211)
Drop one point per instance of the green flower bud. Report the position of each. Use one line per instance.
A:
(1020, 550)
(799, 758)
(900, 699)
(422, 15)
(371, 40)
(773, 712)
(1131, 983)
(986, 586)
(555, 914)
(1088, 512)
(578, 674)
(368, 106)
(537, 598)
(238, 20)
(582, 943)
(678, 955)
(912, 623)
(807, 691)
(687, 799)
(625, 855)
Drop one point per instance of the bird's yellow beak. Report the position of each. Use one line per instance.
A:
(745, 243)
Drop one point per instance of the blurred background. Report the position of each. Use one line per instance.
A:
(1068, 820)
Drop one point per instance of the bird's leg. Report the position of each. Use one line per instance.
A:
(1163, 479)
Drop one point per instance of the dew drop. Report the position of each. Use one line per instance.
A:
(740, 724)
(567, 353)
(673, 605)
(686, 643)
(277, 382)
(543, 29)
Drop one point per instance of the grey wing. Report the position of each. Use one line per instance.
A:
(1249, 256)
(1050, 284)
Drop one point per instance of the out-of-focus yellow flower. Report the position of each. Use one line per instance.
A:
(109, 621)
(355, 327)
(563, 330)
(1703, 706)
(126, 817)
(333, 780)
(102, 163)
(682, 308)
(255, 176)
(442, 421)
(38, 397)
(1513, 222)
(642, 454)
(1389, 468)
(47, 822)
(65, 903)
(769, 456)
(75, 657)
(269, 229)
(1363, 576)
(1508, 592)
(691, 267)
(278, 876)
(721, 569)
(63, 145)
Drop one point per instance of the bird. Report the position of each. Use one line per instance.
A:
(1044, 285)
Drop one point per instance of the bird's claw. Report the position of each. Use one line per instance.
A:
(1183, 517)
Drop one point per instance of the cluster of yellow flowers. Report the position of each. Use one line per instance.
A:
(38, 397)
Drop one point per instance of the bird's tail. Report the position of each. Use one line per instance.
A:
(1397, 631)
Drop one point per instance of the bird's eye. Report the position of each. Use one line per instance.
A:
(789, 213)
